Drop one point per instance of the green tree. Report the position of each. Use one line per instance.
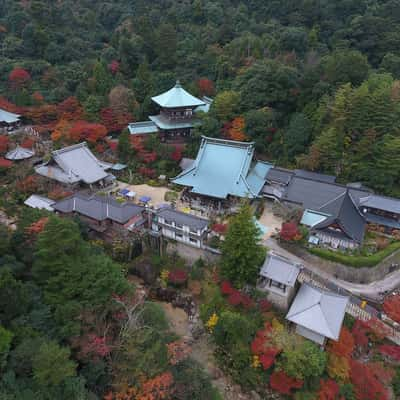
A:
(125, 150)
(226, 105)
(5, 345)
(303, 362)
(73, 275)
(345, 66)
(297, 135)
(242, 252)
(52, 364)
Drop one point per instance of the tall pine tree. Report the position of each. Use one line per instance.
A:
(242, 252)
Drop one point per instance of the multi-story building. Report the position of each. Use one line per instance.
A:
(180, 226)
(177, 116)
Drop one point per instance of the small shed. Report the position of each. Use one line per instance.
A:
(278, 278)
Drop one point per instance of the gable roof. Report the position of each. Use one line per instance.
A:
(99, 208)
(183, 218)
(73, 164)
(222, 168)
(318, 310)
(19, 153)
(177, 97)
(8, 117)
(280, 269)
(344, 212)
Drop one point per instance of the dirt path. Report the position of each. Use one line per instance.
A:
(203, 353)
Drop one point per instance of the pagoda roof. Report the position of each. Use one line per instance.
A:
(141, 128)
(164, 123)
(224, 167)
(177, 97)
(19, 153)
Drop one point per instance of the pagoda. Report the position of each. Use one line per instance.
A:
(177, 116)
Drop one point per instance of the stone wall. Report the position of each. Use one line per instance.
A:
(191, 254)
(344, 272)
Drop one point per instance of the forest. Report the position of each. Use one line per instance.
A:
(312, 82)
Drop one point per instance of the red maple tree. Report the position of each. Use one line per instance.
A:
(289, 231)
(4, 163)
(365, 383)
(328, 390)
(4, 142)
(283, 383)
(391, 306)
(391, 351)
(344, 346)
(206, 87)
(19, 77)
(158, 388)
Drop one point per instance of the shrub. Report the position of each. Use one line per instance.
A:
(356, 261)
(178, 277)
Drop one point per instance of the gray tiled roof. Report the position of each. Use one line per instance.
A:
(315, 194)
(40, 202)
(318, 310)
(73, 164)
(99, 208)
(280, 269)
(381, 203)
(183, 218)
(316, 176)
(345, 213)
(279, 175)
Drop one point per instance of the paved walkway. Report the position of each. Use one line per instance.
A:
(370, 291)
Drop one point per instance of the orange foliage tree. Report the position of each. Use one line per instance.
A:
(158, 388)
(206, 87)
(19, 77)
(234, 130)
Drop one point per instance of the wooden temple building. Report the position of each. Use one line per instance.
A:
(177, 116)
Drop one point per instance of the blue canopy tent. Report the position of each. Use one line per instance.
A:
(144, 199)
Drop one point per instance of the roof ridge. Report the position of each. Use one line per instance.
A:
(71, 147)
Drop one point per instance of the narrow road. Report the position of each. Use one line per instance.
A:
(370, 291)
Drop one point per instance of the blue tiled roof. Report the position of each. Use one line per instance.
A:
(222, 168)
(141, 128)
(177, 97)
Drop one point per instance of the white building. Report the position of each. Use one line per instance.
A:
(180, 226)
(278, 279)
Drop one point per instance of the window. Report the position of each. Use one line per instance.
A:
(178, 236)
(193, 241)
(277, 285)
(179, 226)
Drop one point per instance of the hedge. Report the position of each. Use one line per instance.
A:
(355, 260)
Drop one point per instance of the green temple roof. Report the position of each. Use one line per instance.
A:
(177, 97)
(166, 124)
(223, 168)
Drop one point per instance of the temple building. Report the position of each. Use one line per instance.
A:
(76, 165)
(223, 171)
(9, 121)
(177, 116)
